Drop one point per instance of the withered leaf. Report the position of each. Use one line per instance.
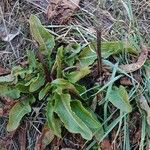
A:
(140, 62)
(61, 10)
(3, 71)
(144, 105)
(105, 145)
(44, 139)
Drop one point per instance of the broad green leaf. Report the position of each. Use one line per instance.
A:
(77, 75)
(71, 52)
(31, 99)
(59, 58)
(31, 59)
(10, 91)
(53, 123)
(88, 54)
(22, 88)
(71, 121)
(87, 118)
(64, 84)
(119, 98)
(37, 83)
(81, 89)
(19, 72)
(18, 111)
(44, 91)
(41, 35)
(6, 78)
(116, 47)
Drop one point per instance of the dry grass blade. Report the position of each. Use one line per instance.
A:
(140, 62)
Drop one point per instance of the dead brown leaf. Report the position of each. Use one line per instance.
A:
(140, 62)
(3, 71)
(61, 10)
(22, 136)
(105, 145)
(127, 81)
(56, 144)
(44, 139)
(145, 106)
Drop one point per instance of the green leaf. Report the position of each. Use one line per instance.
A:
(71, 52)
(38, 82)
(59, 58)
(81, 89)
(119, 98)
(44, 91)
(77, 75)
(7, 78)
(87, 118)
(31, 99)
(22, 88)
(31, 59)
(41, 35)
(10, 91)
(71, 121)
(88, 54)
(19, 72)
(53, 123)
(64, 84)
(18, 111)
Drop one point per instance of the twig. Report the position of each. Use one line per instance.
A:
(98, 51)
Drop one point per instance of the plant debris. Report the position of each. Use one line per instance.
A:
(62, 10)
(140, 62)
(105, 145)
(44, 139)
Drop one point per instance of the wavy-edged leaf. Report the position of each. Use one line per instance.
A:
(31, 99)
(10, 91)
(71, 52)
(18, 111)
(71, 121)
(22, 88)
(53, 123)
(59, 58)
(41, 35)
(119, 98)
(44, 91)
(6, 78)
(38, 82)
(64, 84)
(88, 54)
(31, 59)
(77, 75)
(87, 118)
